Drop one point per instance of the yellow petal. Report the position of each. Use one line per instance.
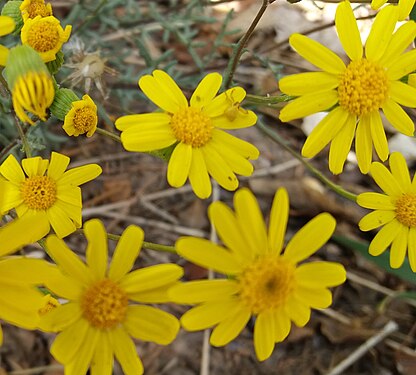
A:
(206, 90)
(308, 83)
(412, 248)
(310, 238)
(347, 29)
(4, 54)
(147, 138)
(402, 65)
(320, 274)
(60, 222)
(179, 165)
(58, 165)
(317, 54)
(148, 323)
(80, 175)
(399, 170)
(203, 291)
(375, 201)
(126, 352)
(384, 237)
(126, 252)
(405, 7)
(364, 144)
(403, 94)
(251, 222)
(264, 330)
(325, 132)
(207, 254)
(279, 214)
(97, 251)
(378, 136)
(376, 219)
(6, 25)
(198, 175)
(399, 248)
(386, 180)
(12, 170)
(308, 104)
(103, 359)
(281, 325)
(341, 146)
(297, 311)
(381, 33)
(317, 298)
(144, 122)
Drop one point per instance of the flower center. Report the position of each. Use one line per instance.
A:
(104, 304)
(43, 36)
(39, 192)
(84, 119)
(267, 283)
(192, 127)
(38, 8)
(406, 210)
(363, 87)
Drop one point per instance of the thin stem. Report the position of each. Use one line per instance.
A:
(108, 134)
(147, 245)
(275, 137)
(238, 50)
(26, 146)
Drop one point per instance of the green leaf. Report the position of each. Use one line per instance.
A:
(383, 261)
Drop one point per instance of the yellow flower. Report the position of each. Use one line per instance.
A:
(6, 27)
(19, 299)
(404, 7)
(98, 320)
(202, 149)
(354, 94)
(34, 8)
(45, 35)
(46, 189)
(394, 211)
(261, 281)
(82, 118)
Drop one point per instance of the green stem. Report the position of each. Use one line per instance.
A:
(275, 137)
(22, 136)
(238, 50)
(148, 245)
(108, 134)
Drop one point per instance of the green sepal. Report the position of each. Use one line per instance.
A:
(164, 153)
(62, 103)
(55, 65)
(12, 9)
(21, 61)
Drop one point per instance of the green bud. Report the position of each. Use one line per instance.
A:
(22, 60)
(55, 65)
(63, 103)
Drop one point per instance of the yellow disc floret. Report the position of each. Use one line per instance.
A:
(39, 192)
(33, 8)
(104, 304)
(406, 210)
(363, 87)
(266, 284)
(192, 127)
(84, 119)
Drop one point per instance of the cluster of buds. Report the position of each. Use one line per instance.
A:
(30, 68)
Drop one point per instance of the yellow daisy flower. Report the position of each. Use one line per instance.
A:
(261, 281)
(394, 211)
(404, 7)
(45, 35)
(45, 189)
(34, 8)
(6, 27)
(354, 94)
(82, 118)
(19, 299)
(202, 148)
(98, 320)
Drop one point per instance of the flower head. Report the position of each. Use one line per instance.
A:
(202, 149)
(354, 94)
(45, 189)
(30, 82)
(394, 211)
(99, 318)
(262, 282)
(45, 35)
(81, 118)
(6, 27)
(33, 8)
